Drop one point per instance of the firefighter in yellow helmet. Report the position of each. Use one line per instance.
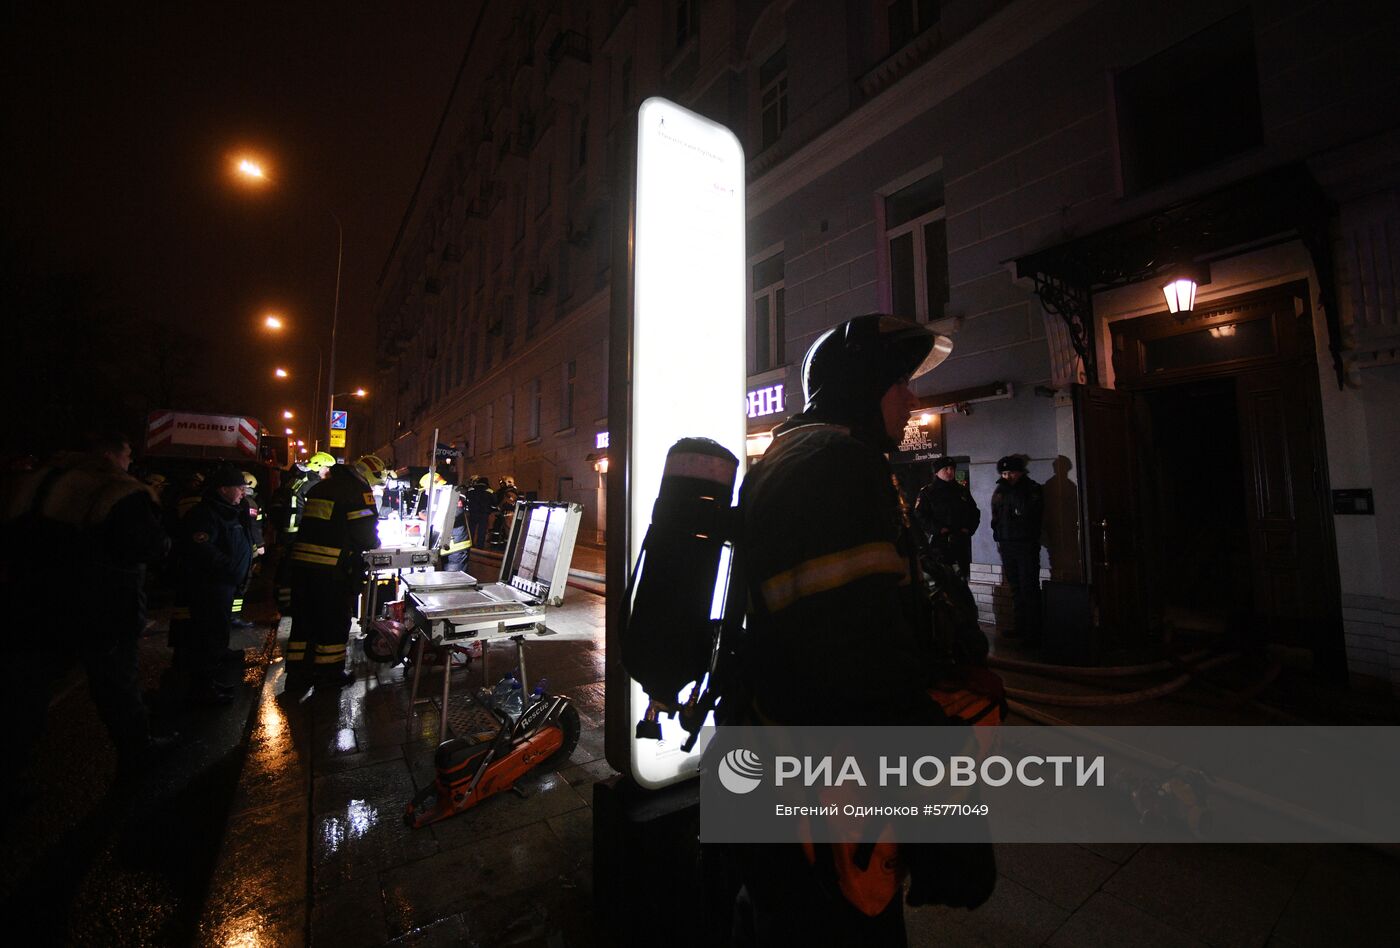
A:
(326, 567)
(253, 508)
(286, 508)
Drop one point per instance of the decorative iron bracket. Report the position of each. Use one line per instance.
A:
(1073, 304)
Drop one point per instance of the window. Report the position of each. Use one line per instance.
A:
(687, 20)
(566, 396)
(917, 238)
(471, 436)
(1190, 106)
(508, 420)
(768, 313)
(487, 427)
(532, 417)
(906, 19)
(773, 103)
(507, 326)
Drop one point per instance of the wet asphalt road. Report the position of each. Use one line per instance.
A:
(96, 861)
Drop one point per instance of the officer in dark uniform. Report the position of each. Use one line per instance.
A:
(339, 523)
(948, 516)
(1018, 506)
(843, 584)
(215, 549)
(481, 501)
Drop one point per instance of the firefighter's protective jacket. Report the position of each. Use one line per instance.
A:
(834, 618)
(339, 522)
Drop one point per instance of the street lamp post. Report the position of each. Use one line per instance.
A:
(276, 323)
(252, 171)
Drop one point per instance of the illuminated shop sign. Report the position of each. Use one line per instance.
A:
(765, 401)
(600, 440)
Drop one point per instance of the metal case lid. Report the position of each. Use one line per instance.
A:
(540, 548)
(433, 582)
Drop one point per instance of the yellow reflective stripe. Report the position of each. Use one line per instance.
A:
(296, 651)
(316, 559)
(237, 605)
(302, 546)
(319, 508)
(329, 649)
(830, 572)
(180, 612)
(458, 545)
(330, 659)
(358, 514)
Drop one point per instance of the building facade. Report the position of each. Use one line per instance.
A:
(1024, 176)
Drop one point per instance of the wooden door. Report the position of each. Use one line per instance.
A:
(1286, 505)
(1108, 482)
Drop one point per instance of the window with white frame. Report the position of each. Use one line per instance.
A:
(773, 99)
(532, 417)
(916, 237)
(769, 305)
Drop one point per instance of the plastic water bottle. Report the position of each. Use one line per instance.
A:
(508, 696)
(540, 690)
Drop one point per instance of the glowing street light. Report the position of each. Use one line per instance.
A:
(288, 430)
(281, 373)
(272, 321)
(251, 169)
(287, 415)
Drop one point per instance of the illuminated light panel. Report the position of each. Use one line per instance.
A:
(687, 334)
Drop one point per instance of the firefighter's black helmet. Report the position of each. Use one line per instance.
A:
(1012, 462)
(850, 368)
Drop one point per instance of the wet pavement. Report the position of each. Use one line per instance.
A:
(288, 813)
(102, 861)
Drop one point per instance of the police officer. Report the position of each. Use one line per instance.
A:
(339, 523)
(1018, 506)
(842, 584)
(948, 516)
(481, 501)
(215, 549)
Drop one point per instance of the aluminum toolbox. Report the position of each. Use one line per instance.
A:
(534, 575)
(438, 582)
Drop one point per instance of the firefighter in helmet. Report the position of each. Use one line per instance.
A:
(254, 512)
(326, 568)
(287, 506)
(816, 581)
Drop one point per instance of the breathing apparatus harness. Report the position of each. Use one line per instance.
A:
(685, 602)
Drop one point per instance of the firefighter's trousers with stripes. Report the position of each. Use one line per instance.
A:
(323, 601)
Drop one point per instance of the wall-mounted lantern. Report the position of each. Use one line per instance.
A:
(1179, 287)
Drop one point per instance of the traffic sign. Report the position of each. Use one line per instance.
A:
(337, 437)
(340, 420)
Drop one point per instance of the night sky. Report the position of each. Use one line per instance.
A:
(121, 122)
